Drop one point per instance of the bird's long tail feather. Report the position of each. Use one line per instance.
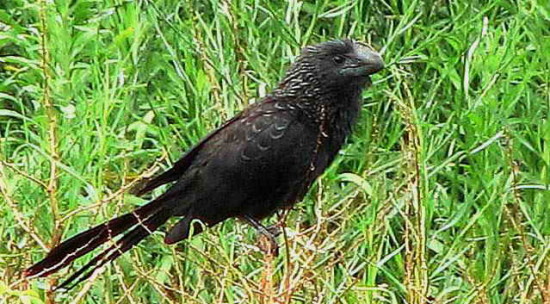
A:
(147, 217)
(129, 240)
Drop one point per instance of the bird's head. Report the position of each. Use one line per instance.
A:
(334, 64)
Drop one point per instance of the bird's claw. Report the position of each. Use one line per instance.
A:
(275, 230)
(268, 234)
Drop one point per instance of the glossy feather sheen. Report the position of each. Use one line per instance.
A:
(261, 160)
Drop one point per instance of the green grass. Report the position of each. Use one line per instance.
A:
(441, 196)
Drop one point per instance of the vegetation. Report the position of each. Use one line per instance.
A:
(441, 196)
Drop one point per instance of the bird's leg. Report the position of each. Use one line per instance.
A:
(267, 232)
(275, 230)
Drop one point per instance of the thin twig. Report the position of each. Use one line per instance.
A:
(148, 173)
(416, 268)
(516, 220)
(52, 139)
(24, 174)
(13, 206)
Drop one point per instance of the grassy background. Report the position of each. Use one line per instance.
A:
(442, 195)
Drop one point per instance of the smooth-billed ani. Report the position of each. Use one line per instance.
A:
(261, 160)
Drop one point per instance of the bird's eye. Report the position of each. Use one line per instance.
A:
(338, 59)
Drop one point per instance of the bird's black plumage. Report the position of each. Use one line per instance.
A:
(263, 159)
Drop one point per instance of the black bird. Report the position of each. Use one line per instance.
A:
(261, 160)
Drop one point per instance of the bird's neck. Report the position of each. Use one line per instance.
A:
(299, 87)
(344, 108)
(305, 88)
(339, 106)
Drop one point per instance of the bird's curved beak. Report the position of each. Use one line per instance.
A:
(368, 62)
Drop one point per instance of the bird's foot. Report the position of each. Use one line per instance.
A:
(275, 230)
(268, 242)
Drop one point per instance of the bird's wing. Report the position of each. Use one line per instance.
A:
(264, 135)
(184, 162)
(245, 166)
(180, 166)
(258, 158)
